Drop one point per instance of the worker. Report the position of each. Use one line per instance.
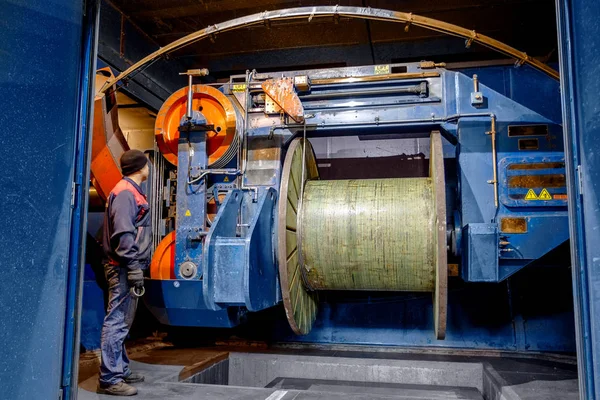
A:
(126, 240)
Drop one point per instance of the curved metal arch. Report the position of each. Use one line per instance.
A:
(376, 14)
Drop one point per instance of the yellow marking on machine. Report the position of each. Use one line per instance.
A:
(226, 179)
(239, 87)
(382, 69)
(544, 195)
(531, 195)
(188, 213)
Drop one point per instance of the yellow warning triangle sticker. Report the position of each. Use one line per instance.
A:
(544, 195)
(226, 179)
(188, 213)
(531, 195)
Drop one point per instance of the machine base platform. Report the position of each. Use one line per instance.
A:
(303, 372)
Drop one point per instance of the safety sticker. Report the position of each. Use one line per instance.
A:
(226, 179)
(382, 69)
(531, 195)
(238, 87)
(544, 195)
(560, 197)
(188, 213)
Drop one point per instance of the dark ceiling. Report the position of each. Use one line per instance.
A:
(528, 25)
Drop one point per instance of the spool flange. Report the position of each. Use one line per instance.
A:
(300, 305)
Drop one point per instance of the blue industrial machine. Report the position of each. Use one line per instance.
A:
(238, 148)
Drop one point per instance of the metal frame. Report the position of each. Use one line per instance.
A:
(80, 202)
(368, 13)
(579, 31)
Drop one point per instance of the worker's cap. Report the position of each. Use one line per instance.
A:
(132, 161)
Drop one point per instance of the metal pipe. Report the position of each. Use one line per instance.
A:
(475, 83)
(205, 172)
(350, 12)
(416, 89)
(450, 118)
(492, 133)
(245, 128)
(254, 189)
(375, 78)
(190, 98)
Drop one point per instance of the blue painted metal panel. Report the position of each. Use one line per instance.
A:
(79, 203)
(43, 96)
(579, 33)
(181, 303)
(261, 275)
(480, 255)
(239, 267)
(514, 195)
(191, 197)
(530, 312)
(224, 260)
(524, 85)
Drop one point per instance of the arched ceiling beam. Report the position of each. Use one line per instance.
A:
(310, 13)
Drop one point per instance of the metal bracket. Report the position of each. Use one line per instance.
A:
(73, 193)
(476, 95)
(580, 180)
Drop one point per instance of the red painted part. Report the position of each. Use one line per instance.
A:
(163, 262)
(108, 142)
(213, 104)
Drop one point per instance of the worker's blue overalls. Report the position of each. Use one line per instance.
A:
(126, 240)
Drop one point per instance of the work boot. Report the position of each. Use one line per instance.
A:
(134, 378)
(118, 389)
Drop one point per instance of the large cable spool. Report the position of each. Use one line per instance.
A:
(376, 235)
(221, 144)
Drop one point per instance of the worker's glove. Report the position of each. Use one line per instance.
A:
(135, 277)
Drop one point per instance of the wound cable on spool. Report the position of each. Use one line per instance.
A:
(376, 234)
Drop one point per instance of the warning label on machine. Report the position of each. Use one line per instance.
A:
(531, 195)
(544, 195)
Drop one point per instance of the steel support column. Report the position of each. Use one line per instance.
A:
(579, 32)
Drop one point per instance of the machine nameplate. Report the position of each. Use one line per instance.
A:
(382, 69)
(238, 87)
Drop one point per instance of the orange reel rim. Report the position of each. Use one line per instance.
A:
(163, 261)
(217, 109)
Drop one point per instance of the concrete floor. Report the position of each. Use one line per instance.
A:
(277, 374)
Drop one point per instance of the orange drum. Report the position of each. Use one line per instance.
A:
(221, 144)
(163, 260)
